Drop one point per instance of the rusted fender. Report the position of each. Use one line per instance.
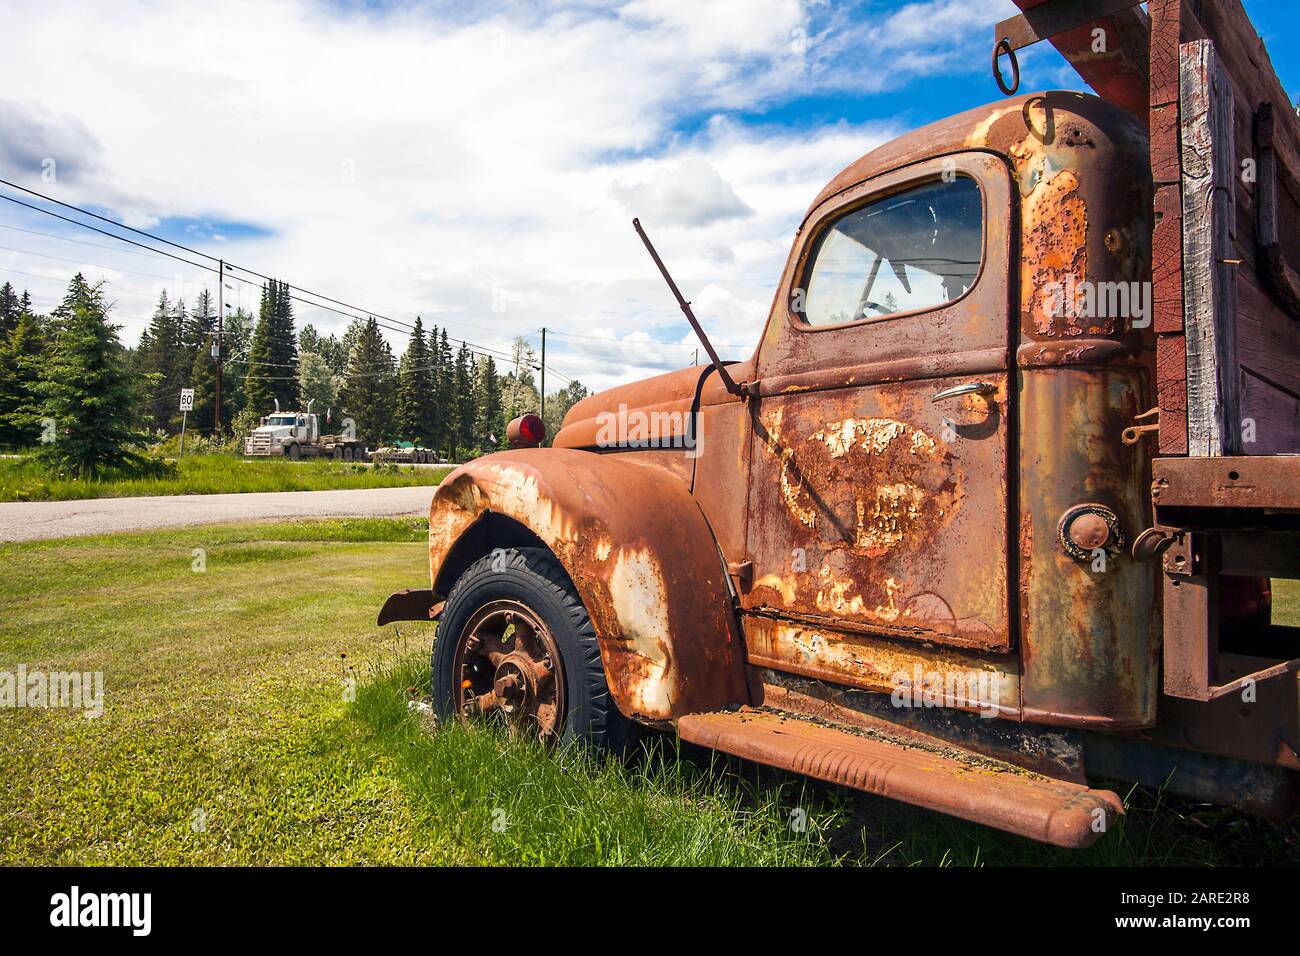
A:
(639, 552)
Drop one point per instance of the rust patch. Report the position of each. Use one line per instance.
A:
(1055, 251)
(641, 602)
(872, 662)
(902, 503)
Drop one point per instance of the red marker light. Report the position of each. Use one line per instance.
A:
(526, 431)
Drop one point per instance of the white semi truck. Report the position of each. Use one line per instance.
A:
(296, 435)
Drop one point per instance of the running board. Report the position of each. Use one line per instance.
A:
(950, 780)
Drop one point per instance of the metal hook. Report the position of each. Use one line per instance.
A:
(1004, 45)
(1133, 434)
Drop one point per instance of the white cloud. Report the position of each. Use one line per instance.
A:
(415, 162)
(690, 193)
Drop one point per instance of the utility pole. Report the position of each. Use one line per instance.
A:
(543, 416)
(221, 328)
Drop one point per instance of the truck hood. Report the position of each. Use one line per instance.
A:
(273, 430)
(667, 393)
(672, 394)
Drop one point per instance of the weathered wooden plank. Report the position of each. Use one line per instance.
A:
(1246, 60)
(1208, 221)
(1164, 144)
(1167, 259)
(1260, 94)
(1171, 393)
(1166, 34)
(1268, 341)
(1270, 418)
(1168, 21)
(1276, 193)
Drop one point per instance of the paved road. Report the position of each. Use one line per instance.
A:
(30, 521)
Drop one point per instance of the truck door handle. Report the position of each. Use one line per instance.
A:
(970, 388)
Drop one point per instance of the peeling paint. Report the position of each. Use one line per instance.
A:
(639, 594)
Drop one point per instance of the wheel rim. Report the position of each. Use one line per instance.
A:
(507, 665)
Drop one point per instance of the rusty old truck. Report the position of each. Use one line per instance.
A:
(992, 514)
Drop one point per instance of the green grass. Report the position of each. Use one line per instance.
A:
(230, 735)
(21, 479)
(1286, 602)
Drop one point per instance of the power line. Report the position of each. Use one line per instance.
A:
(61, 279)
(184, 248)
(410, 327)
(80, 242)
(82, 262)
(473, 347)
(104, 232)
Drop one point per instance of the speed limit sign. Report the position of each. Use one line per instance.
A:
(187, 400)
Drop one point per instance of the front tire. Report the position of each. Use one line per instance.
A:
(294, 453)
(515, 642)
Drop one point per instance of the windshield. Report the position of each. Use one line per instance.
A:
(281, 420)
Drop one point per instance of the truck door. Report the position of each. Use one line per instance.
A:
(883, 426)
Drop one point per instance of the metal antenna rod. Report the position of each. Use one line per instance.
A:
(727, 381)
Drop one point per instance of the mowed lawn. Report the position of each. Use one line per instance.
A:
(22, 479)
(254, 714)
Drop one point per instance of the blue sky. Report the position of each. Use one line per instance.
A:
(480, 168)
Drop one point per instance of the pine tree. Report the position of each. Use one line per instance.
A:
(370, 386)
(161, 362)
(86, 389)
(201, 323)
(273, 356)
(464, 403)
(287, 342)
(21, 361)
(308, 339)
(435, 409)
(487, 402)
(10, 309)
(183, 360)
(414, 381)
(356, 328)
(445, 369)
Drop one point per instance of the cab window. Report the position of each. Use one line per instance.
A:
(911, 250)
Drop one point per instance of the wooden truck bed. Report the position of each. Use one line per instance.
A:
(1224, 146)
(1225, 165)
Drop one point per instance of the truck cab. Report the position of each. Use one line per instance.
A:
(283, 433)
(915, 543)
